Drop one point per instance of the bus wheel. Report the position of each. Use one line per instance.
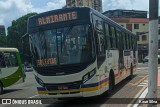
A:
(111, 82)
(131, 72)
(1, 88)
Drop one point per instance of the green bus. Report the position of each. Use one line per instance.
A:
(10, 68)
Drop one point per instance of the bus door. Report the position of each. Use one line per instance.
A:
(9, 68)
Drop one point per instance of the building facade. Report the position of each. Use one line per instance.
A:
(96, 4)
(2, 30)
(140, 27)
(119, 13)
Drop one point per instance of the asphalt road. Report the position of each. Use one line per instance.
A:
(125, 89)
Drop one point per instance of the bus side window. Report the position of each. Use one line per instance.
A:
(113, 37)
(100, 43)
(116, 38)
(108, 43)
(124, 41)
(2, 61)
(100, 39)
(129, 42)
(99, 33)
(110, 36)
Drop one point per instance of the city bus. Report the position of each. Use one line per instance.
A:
(79, 52)
(10, 68)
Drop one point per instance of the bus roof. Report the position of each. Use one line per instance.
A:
(35, 22)
(2, 49)
(58, 18)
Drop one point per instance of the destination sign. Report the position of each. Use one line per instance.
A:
(49, 61)
(57, 18)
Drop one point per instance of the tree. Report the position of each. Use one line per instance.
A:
(15, 33)
(3, 40)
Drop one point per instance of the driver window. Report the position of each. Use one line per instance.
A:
(99, 33)
(100, 39)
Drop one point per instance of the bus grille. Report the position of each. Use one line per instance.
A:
(69, 86)
(60, 70)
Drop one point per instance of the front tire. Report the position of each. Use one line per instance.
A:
(1, 88)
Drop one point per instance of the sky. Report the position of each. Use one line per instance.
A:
(13, 9)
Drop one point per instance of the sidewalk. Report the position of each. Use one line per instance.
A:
(144, 94)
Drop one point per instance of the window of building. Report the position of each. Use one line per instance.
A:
(144, 38)
(136, 26)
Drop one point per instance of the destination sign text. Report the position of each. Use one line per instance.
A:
(57, 18)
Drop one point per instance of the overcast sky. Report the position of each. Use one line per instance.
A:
(13, 9)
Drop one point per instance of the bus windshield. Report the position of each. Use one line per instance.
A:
(68, 45)
(8, 59)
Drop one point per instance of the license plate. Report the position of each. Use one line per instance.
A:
(62, 87)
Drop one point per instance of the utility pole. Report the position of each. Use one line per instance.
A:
(153, 48)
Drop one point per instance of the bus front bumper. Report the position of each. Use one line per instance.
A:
(82, 92)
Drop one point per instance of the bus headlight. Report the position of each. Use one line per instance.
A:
(85, 78)
(40, 82)
(89, 75)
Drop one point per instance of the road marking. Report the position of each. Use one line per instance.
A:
(136, 96)
(34, 96)
(144, 68)
(142, 83)
(143, 95)
(138, 82)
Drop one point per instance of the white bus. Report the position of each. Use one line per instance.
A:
(78, 52)
(10, 68)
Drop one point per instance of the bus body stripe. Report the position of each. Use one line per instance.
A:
(84, 88)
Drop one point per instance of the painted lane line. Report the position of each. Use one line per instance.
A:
(136, 96)
(34, 96)
(143, 95)
(143, 83)
(140, 85)
(138, 82)
(144, 68)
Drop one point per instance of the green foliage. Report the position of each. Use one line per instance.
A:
(15, 33)
(3, 41)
